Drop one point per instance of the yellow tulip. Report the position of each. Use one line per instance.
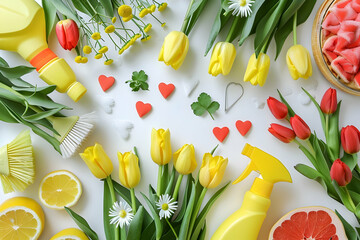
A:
(212, 170)
(97, 161)
(298, 62)
(184, 159)
(160, 146)
(257, 69)
(174, 49)
(129, 171)
(222, 58)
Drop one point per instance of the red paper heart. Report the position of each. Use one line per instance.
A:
(221, 133)
(106, 82)
(166, 89)
(243, 127)
(143, 108)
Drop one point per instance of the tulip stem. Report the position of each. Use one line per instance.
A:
(113, 200)
(196, 211)
(234, 26)
(294, 28)
(177, 187)
(159, 182)
(350, 200)
(133, 200)
(214, 149)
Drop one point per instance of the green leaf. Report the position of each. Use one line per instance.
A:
(186, 220)
(204, 104)
(355, 197)
(170, 235)
(249, 25)
(65, 9)
(84, 7)
(15, 72)
(266, 26)
(290, 11)
(350, 231)
(158, 225)
(308, 172)
(139, 76)
(345, 198)
(322, 165)
(108, 7)
(43, 90)
(203, 232)
(213, 107)
(185, 202)
(220, 21)
(291, 112)
(41, 100)
(50, 16)
(170, 185)
(333, 141)
(350, 160)
(82, 223)
(6, 115)
(138, 80)
(137, 223)
(195, 14)
(200, 220)
(42, 115)
(149, 233)
(109, 229)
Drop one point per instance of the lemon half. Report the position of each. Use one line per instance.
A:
(70, 234)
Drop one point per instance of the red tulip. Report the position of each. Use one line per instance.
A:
(300, 127)
(328, 103)
(350, 139)
(67, 33)
(282, 133)
(340, 172)
(277, 108)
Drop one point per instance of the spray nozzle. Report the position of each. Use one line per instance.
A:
(270, 168)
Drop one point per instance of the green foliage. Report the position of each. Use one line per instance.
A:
(82, 224)
(204, 104)
(138, 81)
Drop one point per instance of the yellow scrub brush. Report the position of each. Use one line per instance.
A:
(17, 168)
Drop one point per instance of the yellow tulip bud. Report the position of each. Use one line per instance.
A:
(97, 161)
(129, 171)
(160, 146)
(184, 160)
(222, 58)
(174, 49)
(298, 62)
(257, 69)
(212, 170)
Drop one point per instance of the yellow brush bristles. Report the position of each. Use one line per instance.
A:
(17, 168)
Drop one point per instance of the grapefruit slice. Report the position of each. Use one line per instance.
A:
(308, 223)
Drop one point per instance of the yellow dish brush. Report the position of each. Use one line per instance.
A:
(17, 167)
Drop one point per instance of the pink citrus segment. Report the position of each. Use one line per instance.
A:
(309, 223)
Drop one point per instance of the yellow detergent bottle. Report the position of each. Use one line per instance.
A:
(245, 223)
(22, 30)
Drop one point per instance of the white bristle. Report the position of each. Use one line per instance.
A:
(77, 135)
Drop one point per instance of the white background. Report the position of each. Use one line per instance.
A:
(175, 113)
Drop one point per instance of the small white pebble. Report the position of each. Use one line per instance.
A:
(124, 128)
(108, 104)
(303, 98)
(190, 85)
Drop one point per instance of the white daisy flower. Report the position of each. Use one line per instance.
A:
(120, 214)
(241, 7)
(167, 206)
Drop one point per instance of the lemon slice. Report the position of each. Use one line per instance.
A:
(70, 234)
(60, 189)
(21, 218)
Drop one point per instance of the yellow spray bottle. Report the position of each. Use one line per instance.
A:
(22, 30)
(245, 223)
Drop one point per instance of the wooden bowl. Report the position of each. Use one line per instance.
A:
(322, 62)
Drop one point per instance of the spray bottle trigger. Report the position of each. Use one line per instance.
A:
(251, 167)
